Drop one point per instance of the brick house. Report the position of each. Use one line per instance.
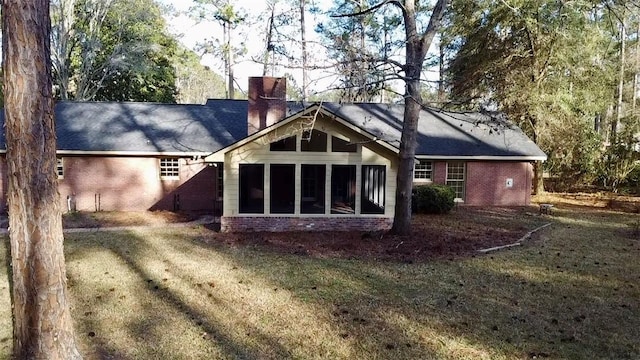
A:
(269, 164)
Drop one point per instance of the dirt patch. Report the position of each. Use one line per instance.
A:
(459, 234)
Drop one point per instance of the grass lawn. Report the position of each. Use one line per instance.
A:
(571, 292)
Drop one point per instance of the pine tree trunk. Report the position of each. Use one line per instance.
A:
(42, 322)
(416, 48)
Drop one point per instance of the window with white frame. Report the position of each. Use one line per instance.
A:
(423, 171)
(456, 177)
(169, 168)
(60, 168)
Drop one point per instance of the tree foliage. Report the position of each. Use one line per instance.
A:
(228, 48)
(363, 47)
(112, 50)
(550, 66)
(196, 83)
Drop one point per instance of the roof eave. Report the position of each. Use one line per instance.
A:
(483, 157)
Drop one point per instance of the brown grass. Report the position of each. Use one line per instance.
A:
(569, 293)
(122, 218)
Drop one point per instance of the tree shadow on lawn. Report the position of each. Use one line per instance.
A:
(559, 297)
(149, 327)
(570, 296)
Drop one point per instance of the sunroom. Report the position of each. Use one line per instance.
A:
(311, 171)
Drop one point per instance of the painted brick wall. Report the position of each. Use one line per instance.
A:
(248, 224)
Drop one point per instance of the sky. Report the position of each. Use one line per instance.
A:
(190, 33)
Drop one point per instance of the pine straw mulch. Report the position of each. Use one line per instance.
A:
(458, 234)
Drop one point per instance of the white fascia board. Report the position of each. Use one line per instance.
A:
(482, 157)
(133, 153)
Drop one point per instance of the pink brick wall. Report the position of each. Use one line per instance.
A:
(242, 224)
(133, 184)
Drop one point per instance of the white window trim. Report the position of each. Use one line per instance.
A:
(60, 168)
(463, 180)
(170, 168)
(415, 171)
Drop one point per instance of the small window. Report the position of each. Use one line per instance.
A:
(339, 145)
(170, 168)
(60, 168)
(423, 171)
(286, 144)
(314, 141)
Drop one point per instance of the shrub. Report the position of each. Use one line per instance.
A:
(433, 199)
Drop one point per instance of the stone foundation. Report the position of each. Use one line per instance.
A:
(277, 224)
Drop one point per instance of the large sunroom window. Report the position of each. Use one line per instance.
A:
(313, 189)
(283, 188)
(252, 188)
(343, 189)
(373, 189)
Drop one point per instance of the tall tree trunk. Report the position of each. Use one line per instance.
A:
(269, 46)
(303, 35)
(619, 103)
(538, 178)
(636, 77)
(416, 50)
(229, 59)
(42, 322)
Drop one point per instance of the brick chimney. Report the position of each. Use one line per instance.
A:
(267, 102)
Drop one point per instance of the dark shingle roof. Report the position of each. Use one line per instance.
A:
(442, 133)
(147, 127)
(174, 128)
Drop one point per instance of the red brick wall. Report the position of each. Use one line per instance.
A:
(486, 182)
(242, 224)
(134, 184)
